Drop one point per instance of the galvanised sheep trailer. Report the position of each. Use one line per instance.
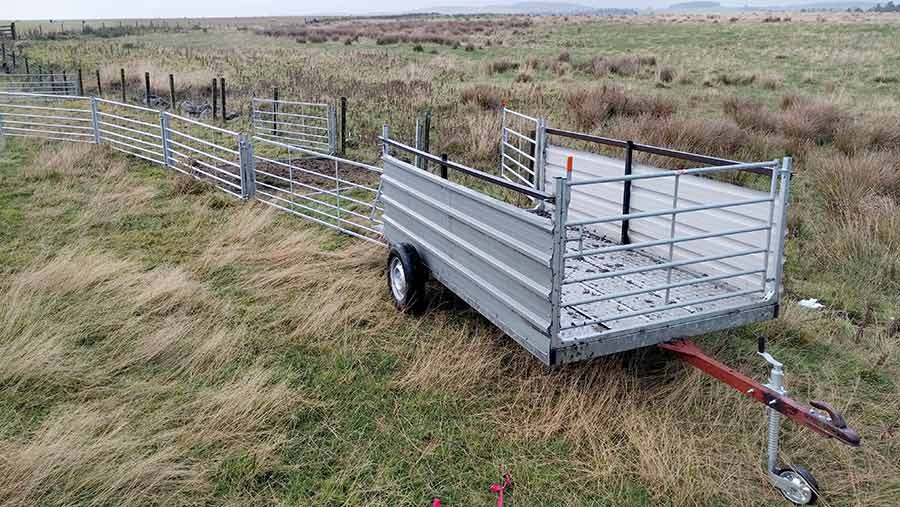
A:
(608, 255)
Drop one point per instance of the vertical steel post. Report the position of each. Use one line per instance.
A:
(2, 136)
(418, 142)
(674, 221)
(386, 134)
(122, 76)
(222, 91)
(95, 120)
(558, 260)
(172, 91)
(332, 129)
(275, 111)
(540, 150)
(773, 188)
(248, 167)
(343, 126)
(426, 141)
(626, 192)
(164, 135)
(785, 176)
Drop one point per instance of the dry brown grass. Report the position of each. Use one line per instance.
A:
(811, 121)
(591, 107)
(486, 97)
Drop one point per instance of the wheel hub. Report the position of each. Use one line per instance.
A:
(799, 491)
(398, 280)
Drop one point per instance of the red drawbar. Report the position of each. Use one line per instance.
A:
(831, 426)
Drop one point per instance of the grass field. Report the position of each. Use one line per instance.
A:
(163, 344)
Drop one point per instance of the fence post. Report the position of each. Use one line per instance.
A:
(147, 89)
(164, 131)
(12, 28)
(99, 86)
(2, 137)
(80, 83)
(122, 73)
(27, 68)
(626, 191)
(444, 165)
(13, 52)
(3, 55)
(95, 120)
(275, 111)
(332, 129)
(172, 90)
(417, 161)
(343, 126)
(222, 91)
(248, 167)
(215, 97)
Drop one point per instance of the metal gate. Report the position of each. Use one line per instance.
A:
(521, 148)
(308, 125)
(52, 84)
(331, 191)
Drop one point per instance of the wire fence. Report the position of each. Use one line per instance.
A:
(339, 193)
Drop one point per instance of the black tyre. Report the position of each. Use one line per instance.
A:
(805, 490)
(406, 278)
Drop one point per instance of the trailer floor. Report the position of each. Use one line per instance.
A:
(617, 261)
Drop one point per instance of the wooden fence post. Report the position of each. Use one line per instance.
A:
(222, 90)
(99, 86)
(12, 28)
(147, 88)
(27, 68)
(172, 90)
(80, 83)
(215, 96)
(122, 71)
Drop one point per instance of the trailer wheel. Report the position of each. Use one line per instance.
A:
(804, 489)
(406, 278)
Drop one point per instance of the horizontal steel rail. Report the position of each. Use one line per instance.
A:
(317, 154)
(45, 95)
(661, 266)
(660, 242)
(288, 102)
(496, 180)
(326, 177)
(658, 288)
(668, 212)
(672, 306)
(769, 167)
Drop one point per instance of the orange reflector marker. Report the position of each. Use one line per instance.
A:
(570, 162)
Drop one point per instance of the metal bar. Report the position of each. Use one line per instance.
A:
(658, 242)
(51, 125)
(655, 267)
(205, 143)
(473, 172)
(800, 414)
(164, 133)
(326, 224)
(343, 125)
(292, 167)
(99, 85)
(558, 261)
(768, 166)
(47, 117)
(521, 165)
(126, 129)
(129, 106)
(275, 111)
(663, 308)
(203, 153)
(288, 133)
(668, 285)
(288, 102)
(320, 155)
(306, 142)
(673, 221)
(785, 175)
(201, 124)
(44, 95)
(20, 129)
(670, 211)
(626, 192)
(297, 115)
(307, 197)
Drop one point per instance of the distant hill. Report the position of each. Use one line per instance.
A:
(684, 6)
(528, 8)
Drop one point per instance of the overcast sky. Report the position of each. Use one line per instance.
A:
(92, 9)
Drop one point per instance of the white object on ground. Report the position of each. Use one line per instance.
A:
(811, 303)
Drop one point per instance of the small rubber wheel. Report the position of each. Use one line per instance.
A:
(804, 489)
(406, 278)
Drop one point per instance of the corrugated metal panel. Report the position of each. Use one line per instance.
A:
(491, 254)
(594, 201)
